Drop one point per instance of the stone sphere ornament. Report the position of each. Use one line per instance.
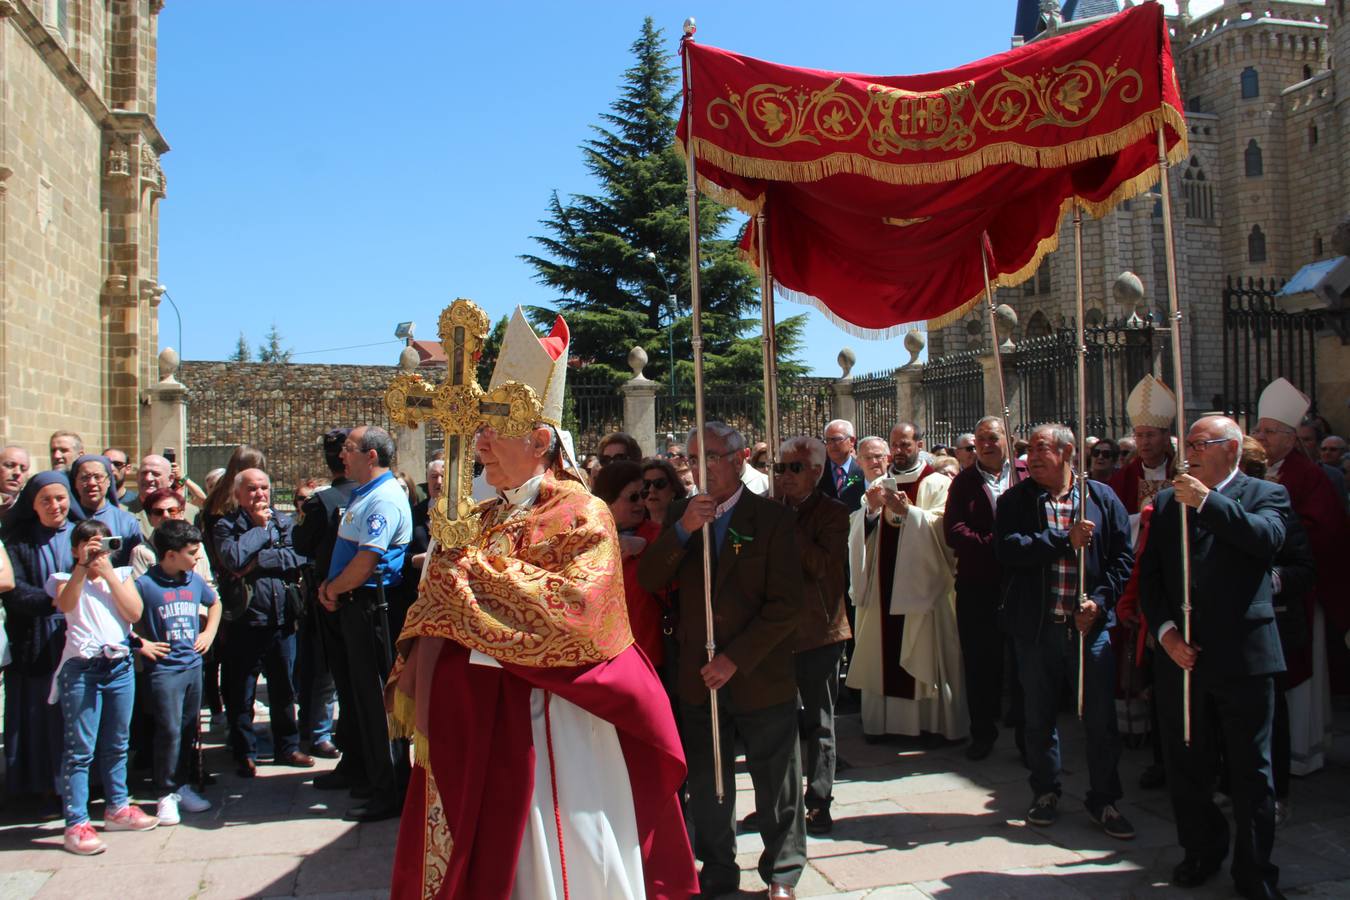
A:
(637, 361)
(168, 363)
(409, 359)
(847, 359)
(1005, 323)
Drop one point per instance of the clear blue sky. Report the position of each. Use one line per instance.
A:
(339, 167)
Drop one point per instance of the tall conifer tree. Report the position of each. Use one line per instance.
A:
(616, 255)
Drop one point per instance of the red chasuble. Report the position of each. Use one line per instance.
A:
(1129, 485)
(1318, 506)
(541, 593)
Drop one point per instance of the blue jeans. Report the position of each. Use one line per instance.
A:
(96, 701)
(176, 701)
(1043, 666)
(314, 687)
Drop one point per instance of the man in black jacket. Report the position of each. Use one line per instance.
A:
(1236, 527)
(260, 562)
(1037, 539)
(322, 668)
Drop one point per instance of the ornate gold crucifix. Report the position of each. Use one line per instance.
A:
(461, 407)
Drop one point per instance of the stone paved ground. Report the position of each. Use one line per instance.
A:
(910, 823)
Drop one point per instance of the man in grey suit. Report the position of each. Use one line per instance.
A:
(757, 599)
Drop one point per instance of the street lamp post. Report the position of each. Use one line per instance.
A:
(672, 309)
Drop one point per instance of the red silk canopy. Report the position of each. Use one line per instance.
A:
(876, 191)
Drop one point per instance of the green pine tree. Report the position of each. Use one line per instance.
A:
(241, 352)
(271, 351)
(617, 255)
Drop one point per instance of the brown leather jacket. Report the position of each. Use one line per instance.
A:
(822, 544)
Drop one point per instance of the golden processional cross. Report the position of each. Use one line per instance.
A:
(462, 408)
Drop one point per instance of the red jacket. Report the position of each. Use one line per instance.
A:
(644, 609)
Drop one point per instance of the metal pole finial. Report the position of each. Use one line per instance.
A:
(690, 27)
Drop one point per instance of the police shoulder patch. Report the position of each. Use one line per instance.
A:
(375, 524)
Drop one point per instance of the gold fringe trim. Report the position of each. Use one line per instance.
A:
(731, 197)
(1126, 190)
(403, 724)
(939, 172)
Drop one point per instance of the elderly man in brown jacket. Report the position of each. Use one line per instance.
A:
(822, 546)
(757, 602)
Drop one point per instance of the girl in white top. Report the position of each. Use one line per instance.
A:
(95, 685)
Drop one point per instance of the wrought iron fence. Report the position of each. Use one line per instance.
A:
(1261, 342)
(876, 402)
(953, 392)
(803, 408)
(592, 408)
(1118, 355)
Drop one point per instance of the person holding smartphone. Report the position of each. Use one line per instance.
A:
(95, 686)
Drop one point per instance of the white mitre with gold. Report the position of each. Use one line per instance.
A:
(1284, 403)
(1151, 404)
(539, 362)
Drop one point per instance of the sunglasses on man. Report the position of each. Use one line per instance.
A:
(614, 457)
(796, 468)
(1106, 453)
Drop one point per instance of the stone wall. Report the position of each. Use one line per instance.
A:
(53, 272)
(80, 183)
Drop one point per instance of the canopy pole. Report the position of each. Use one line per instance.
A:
(1081, 444)
(700, 422)
(769, 344)
(1178, 380)
(998, 361)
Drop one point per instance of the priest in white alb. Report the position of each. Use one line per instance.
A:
(907, 661)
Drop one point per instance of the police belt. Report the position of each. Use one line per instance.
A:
(364, 594)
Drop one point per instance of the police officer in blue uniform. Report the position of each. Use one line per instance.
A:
(366, 569)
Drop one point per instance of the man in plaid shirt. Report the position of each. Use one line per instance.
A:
(1037, 538)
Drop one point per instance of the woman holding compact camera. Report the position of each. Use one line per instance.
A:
(95, 497)
(95, 685)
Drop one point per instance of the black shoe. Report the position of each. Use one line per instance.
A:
(1045, 810)
(750, 823)
(1260, 891)
(1112, 822)
(978, 750)
(819, 821)
(332, 781)
(1194, 870)
(324, 749)
(1152, 778)
(247, 768)
(715, 889)
(373, 812)
(362, 791)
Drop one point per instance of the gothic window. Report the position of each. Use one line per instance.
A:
(1038, 325)
(1252, 158)
(1198, 192)
(1312, 135)
(1307, 72)
(1251, 83)
(1043, 277)
(1256, 245)
(1317, 246)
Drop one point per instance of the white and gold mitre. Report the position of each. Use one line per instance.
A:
(1151, 404)
(1283, 402)
(538, 362)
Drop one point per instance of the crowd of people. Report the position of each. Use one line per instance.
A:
(935, 589)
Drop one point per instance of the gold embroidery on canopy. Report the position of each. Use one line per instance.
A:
(896, 120)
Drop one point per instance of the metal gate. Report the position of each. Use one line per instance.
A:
(1261, 342)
